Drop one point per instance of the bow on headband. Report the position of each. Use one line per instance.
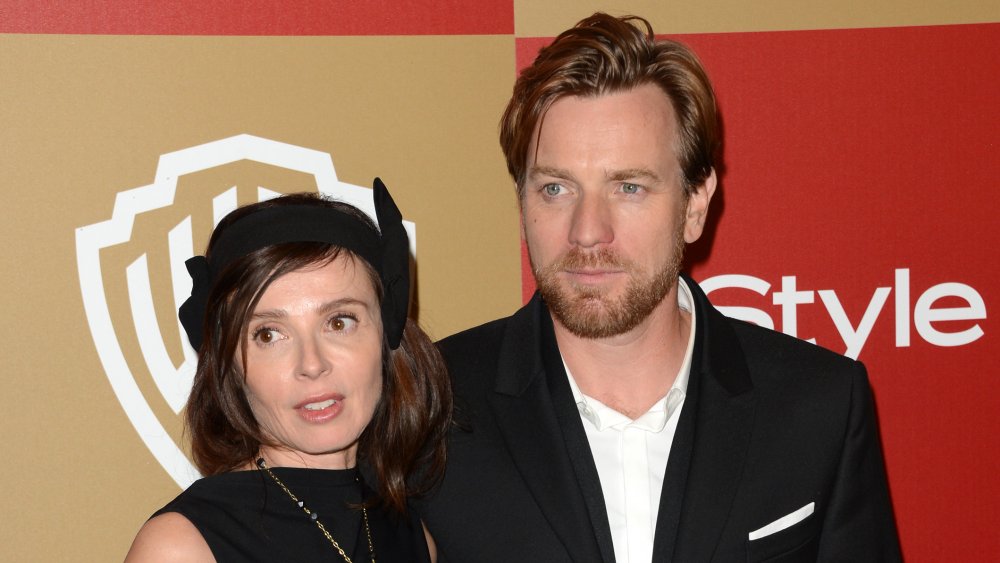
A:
(387, 252)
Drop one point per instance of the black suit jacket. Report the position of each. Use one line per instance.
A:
(769, 424)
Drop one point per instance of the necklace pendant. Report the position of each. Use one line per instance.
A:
(262, 465)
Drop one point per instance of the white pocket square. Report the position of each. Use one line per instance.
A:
(785, 521)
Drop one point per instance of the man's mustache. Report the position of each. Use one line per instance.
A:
(577, 258)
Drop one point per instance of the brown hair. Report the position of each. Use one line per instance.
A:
(407, 430)
(603, 55)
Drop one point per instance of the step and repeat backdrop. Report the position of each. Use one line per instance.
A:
(857, 210)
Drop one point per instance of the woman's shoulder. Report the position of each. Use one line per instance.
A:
(224, 489)
(173, 533)
(167, 538)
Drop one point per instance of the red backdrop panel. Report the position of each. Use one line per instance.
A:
(865, 159)
(258, 17)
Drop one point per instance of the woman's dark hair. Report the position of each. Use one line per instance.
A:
(406, 434)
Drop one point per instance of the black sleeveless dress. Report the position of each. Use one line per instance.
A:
(245, 516)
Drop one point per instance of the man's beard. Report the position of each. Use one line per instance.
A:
(586, 311)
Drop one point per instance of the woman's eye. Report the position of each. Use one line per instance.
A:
(343, 322)
(551, 189)
(265, 335)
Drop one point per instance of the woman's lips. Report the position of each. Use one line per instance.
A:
(319, 406)
(320, 409)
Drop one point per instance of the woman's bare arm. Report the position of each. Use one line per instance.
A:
(169, 538)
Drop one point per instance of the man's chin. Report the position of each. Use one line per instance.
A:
(592, 294)
(588, 317)
(591, 326)
(593, 314)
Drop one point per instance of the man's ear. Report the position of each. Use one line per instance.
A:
(519, 190)
(697, 208)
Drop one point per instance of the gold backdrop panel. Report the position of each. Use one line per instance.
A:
(86, 118)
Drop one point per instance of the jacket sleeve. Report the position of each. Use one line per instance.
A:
(859, 523)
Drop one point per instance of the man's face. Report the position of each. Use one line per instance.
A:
(604, 212)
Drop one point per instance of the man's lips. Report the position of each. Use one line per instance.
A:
(592, 271)
(591, 274)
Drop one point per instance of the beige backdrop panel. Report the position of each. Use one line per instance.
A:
(548, 19)
(86, 117)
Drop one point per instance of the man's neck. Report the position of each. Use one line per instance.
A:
(630, 372)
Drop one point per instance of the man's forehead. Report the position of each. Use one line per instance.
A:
(645, 105)
(649, 94)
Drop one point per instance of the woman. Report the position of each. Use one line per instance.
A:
(307, 365)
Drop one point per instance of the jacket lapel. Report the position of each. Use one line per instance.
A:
(577, 443)
(711, 443)
(545, 456)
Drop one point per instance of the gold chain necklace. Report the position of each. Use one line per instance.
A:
(315, 517)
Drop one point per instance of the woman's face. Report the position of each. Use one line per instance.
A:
(314, 363)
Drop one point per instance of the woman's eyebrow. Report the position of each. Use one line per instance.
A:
(277, 314)
(344, 301)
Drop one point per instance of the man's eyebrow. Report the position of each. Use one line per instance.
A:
(632, 174)
(549, 171)
(612, 175)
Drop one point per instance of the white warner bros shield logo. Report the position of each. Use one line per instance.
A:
(174, 381)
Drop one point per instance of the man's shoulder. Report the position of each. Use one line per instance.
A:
(474, 341)
(780, 346)
(472, 355)
(764, 347)
(774, 358)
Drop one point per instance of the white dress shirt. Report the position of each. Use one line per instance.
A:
(631, 455)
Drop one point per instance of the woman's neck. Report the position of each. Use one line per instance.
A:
(282, 457)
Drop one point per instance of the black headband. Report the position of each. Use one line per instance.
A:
(388, 253)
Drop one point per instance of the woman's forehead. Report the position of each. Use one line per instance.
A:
(342, 279)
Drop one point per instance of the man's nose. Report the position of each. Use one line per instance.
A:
(591, 224)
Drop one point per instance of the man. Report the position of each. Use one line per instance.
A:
(618, 416)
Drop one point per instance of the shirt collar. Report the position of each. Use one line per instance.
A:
(653, 420)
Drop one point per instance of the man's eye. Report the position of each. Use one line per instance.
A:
(552, 189)
(631, 188)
